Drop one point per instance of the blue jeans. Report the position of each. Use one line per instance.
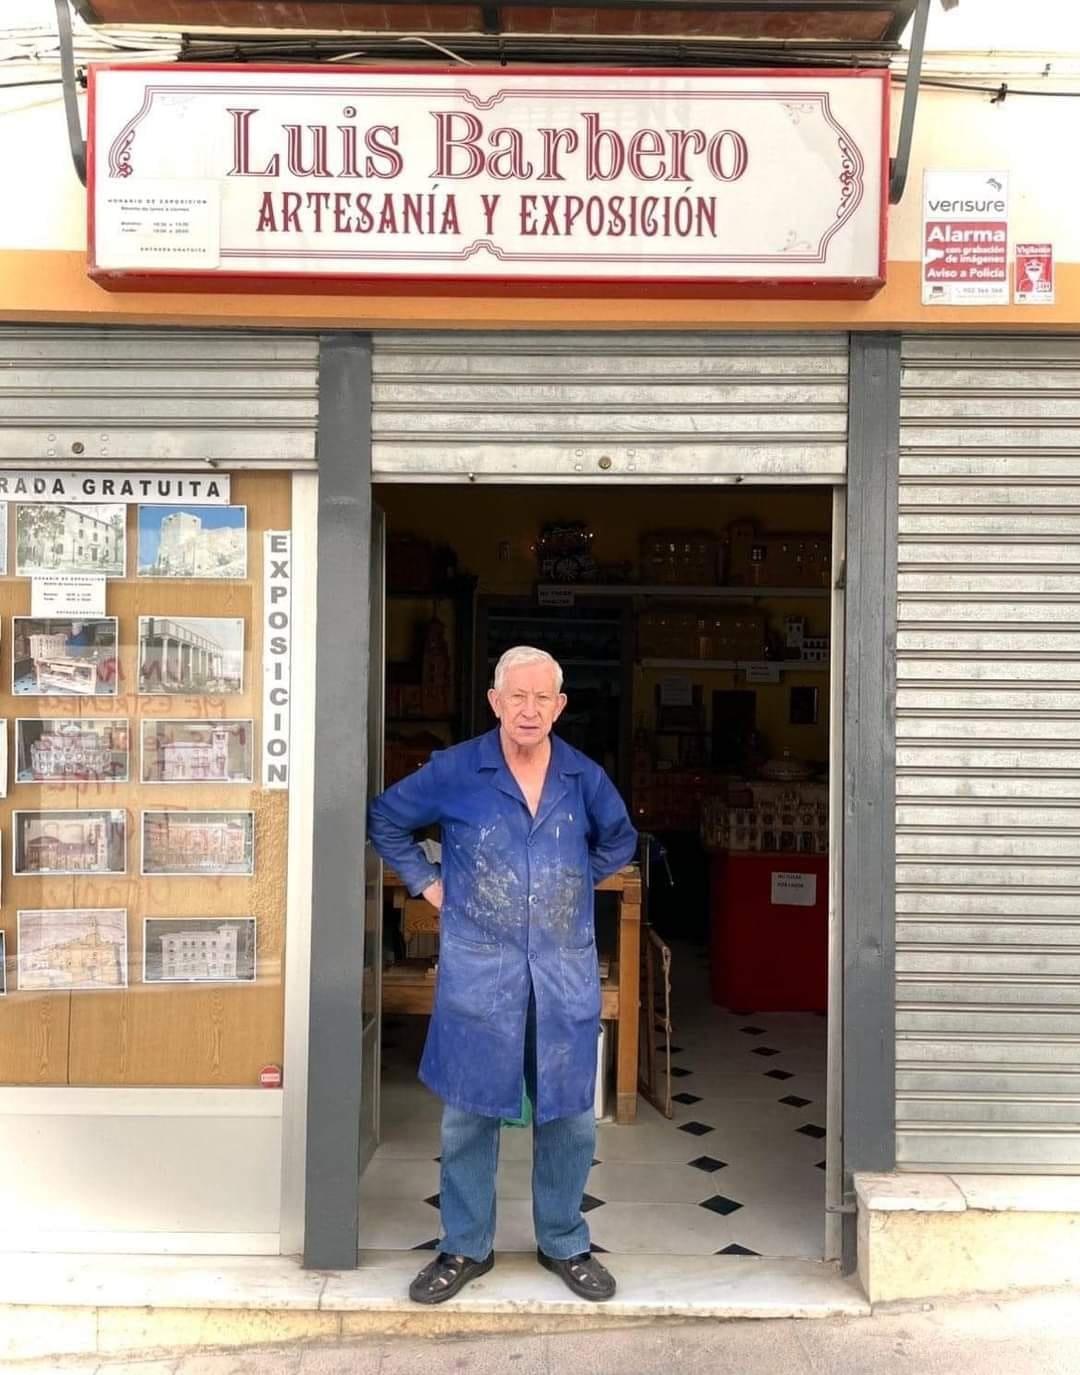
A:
(562, 1157)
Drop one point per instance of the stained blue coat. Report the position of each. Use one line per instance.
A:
(518, 907)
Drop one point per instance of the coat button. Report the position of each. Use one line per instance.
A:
(532, 897)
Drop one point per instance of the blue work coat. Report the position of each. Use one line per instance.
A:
(517, 913)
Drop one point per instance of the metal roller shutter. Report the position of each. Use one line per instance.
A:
(135, 398)
(572, 407)
(988, 755)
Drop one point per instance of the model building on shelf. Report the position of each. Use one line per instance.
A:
(783, 818)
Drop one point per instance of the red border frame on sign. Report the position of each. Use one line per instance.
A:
(560, 285)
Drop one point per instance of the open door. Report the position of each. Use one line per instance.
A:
(371, 1047)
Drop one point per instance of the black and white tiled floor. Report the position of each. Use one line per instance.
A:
(739, 1170)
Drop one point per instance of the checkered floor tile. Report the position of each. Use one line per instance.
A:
(751, 1091)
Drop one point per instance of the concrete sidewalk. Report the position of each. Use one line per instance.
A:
(1035, 1334)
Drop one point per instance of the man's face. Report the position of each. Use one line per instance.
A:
(1034, 269)
(528, 704)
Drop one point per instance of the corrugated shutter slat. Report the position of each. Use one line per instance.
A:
(548, 407)
(988, 755)
(146, 397)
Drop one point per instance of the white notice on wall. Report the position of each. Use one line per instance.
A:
(793, 890)
(277, 656)
(67, 594)
(159, 224)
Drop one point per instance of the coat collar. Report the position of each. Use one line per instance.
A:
(564, 762)
(564, 758)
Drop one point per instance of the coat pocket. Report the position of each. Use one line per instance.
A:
(469, 974)
(581, 983)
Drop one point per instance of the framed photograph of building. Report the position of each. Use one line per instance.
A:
(70, 539)
(75, 842)
(72, 948)
(3, 537)
(194, 655)
(205, 950)
(57, 657)
(178, 843)
(71, 749)
(192, 542)
(197, 751)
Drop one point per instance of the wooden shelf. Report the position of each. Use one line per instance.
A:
(586, 589)
(732, 665)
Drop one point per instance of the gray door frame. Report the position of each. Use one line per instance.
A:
(341, 749)
(332, 1171)
(869, 783)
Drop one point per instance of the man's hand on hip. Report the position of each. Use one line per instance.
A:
(433, 893)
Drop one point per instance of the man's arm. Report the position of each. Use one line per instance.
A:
(613, 839)
(394, 817)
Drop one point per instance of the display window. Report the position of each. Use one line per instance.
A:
(145, 866)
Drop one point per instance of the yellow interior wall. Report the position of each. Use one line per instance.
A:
(476, 521)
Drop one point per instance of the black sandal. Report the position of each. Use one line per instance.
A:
(446, 1276)
(583, 1274)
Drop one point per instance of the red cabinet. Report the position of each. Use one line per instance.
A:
(769, 932)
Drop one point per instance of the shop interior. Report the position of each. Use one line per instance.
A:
(692, 624)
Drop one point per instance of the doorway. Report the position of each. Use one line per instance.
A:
(695, 626)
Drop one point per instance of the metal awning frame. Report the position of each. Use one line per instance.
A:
(899, 9)
(898, 165)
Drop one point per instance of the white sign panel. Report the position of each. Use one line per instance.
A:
(163, 223)
(965, 239)
(793, 890)
(42, 484)
(277, 656)
(341, 172)
(61, 594)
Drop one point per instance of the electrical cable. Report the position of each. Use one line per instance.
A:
(999, 92)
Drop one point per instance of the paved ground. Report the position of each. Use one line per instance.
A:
(1034, 1335)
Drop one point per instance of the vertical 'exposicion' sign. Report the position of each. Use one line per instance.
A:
(746, 177)
(277, 657)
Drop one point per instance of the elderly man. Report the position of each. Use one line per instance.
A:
(529, 827)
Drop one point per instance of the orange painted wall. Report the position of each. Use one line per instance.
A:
(52, 287)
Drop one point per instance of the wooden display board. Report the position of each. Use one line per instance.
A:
(164, 1034)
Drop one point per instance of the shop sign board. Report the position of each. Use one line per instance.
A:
(767, 182)
(277, 656)
(1033, 275)
(45, 484)
(965, 258)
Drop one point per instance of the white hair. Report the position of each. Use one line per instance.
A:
(521, 655)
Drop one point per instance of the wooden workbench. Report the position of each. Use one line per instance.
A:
(410, 989)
